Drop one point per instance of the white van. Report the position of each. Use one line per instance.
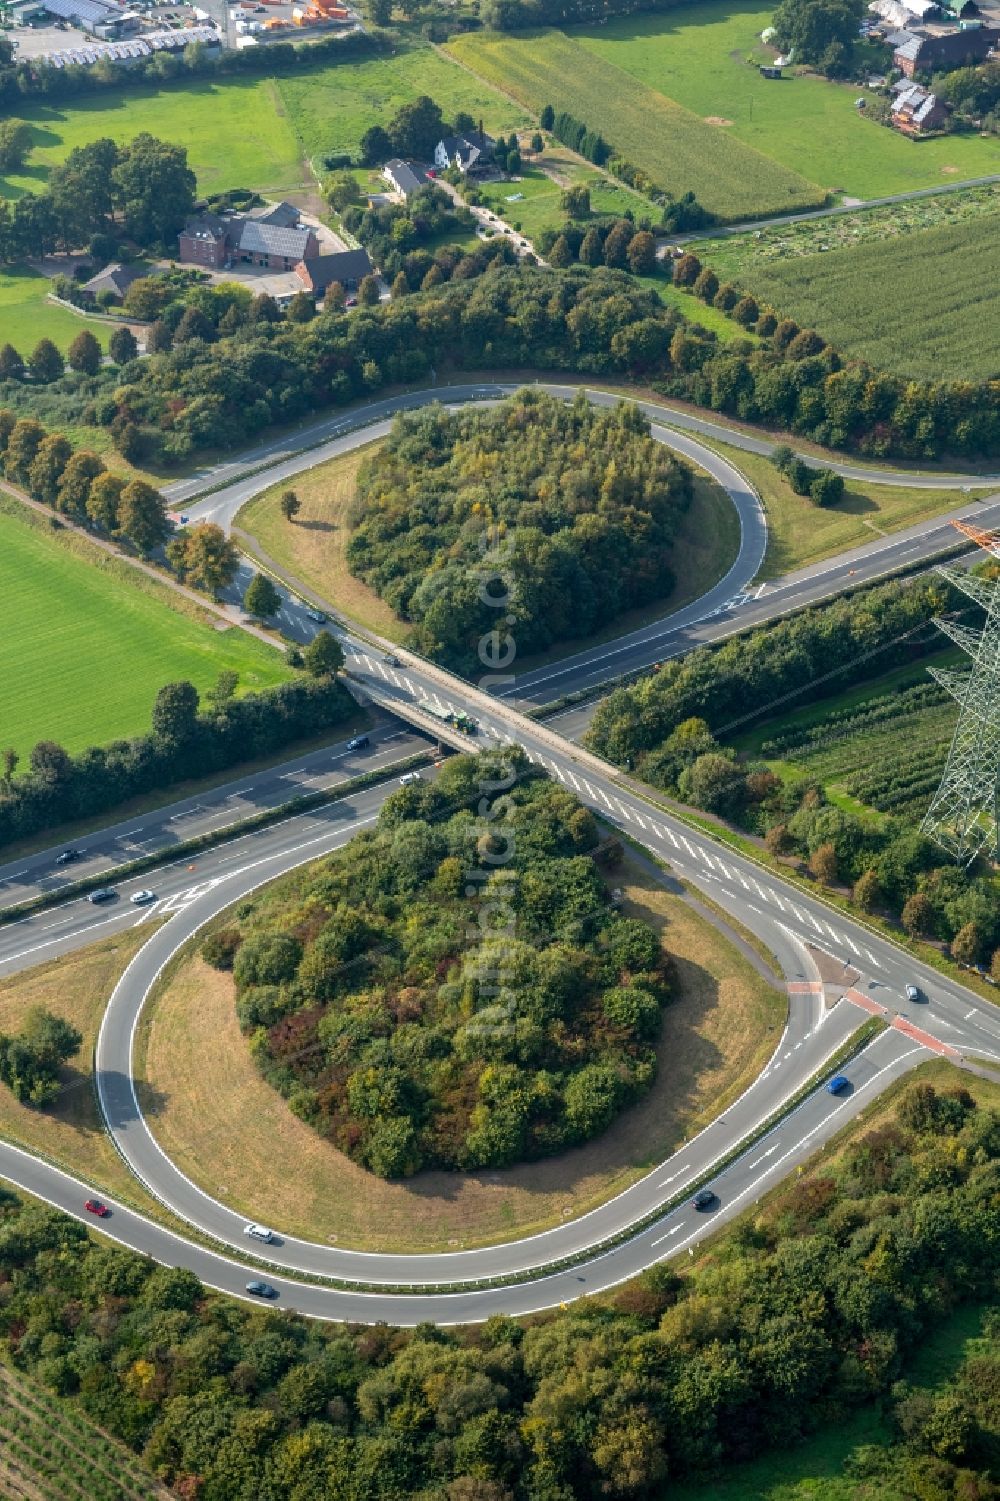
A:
(409, 777)
(258, 1232)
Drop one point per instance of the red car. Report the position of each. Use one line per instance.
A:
(96, 1207)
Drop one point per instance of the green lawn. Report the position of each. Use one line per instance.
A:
(87, 644)
(236, 131)
(26, 316)
(697, 55)
(677, 148)
(942, 284)
(331, 109)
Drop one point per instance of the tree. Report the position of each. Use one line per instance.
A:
(141, 516)
(706, 284)
(687, 268)
(918, 915)
(400, 285)
(15, 143)
(324, 656)
(290, 505)
(10, 759)
(617, 243)
(30, 1062)
(379, 11)
(746, 312)
(369, 294)
(204, 556)
(642, 253)
(85, 353)
(194, 324)
(74, 486)
(537, 143)
(22, 446)
(342, 191)
(778, 840)
(968, 944)
(867, 892)
(54, 453)
(726, 297)
(376, 147)
(261, 597)
(826, 488)
(11, 363)
(819, 31)
(714, 783)
(46, 362)
(547, 118)
(301, 308)
(154, 189)
(994, 963)
(122, 345)
(575, 201)
(560, 255)
(175, 712)
(591, 248)
(823, 863)
(416, 129)
(146, 297)
(805, 344)
(513, 163)
(103, 500)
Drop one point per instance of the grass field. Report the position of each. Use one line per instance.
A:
(76, 620)
(235, 1135)
(799, 533)
(237, 132)
(942, 285)
(312, 548)
(677, 148)
(26, 317)
(50, 1452)
(331, 109)
(697, 55)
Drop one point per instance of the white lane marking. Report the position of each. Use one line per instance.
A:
(851, 944)
(695, 854)
(970, 1014)
(573, 779)
(640, 822)
(762, 1158)
(668, 1235)
(37, 947)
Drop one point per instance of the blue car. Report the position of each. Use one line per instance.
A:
(838, 1084)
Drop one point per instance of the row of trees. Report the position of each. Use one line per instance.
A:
(413, 131)
(29, 78)
(77, 484)
(575, 508)
(611, 242)
(143, 189)
(805, 1314)
(46, 363)
(408, 1047)
(184, 741)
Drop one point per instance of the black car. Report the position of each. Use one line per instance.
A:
(102, 894)
(704, 1199)
(262, 1290)
(360, 742)
(68, 856)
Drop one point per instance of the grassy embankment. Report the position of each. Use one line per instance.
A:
(230, 1131)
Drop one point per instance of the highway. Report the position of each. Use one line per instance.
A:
(806, 937)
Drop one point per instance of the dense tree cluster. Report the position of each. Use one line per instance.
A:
(573, 508)
(31, 1060)
(57, 788)
(387, 228)
(418, 1026)
(823, 32)
(800, 1317)
(143, 189)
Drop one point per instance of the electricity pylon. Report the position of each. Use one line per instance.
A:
(964, 815)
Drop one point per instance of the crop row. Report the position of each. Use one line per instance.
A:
(843, 723)
(50, 1441)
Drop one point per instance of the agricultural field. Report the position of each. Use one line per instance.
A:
(942, 285)
(50, 1452)
(842, 740)
(330, 109)
(26, 316)
(735, 256)
(705, 56)
(679, 150)
(74, 617)
(237, 132)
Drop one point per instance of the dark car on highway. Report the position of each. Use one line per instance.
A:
(68, 856)
(704, 1199)
(360, 742)
(262, 1290)
(102, 894)
(838, 1084)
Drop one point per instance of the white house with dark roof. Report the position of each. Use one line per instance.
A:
(405, 178)
(469, 153)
